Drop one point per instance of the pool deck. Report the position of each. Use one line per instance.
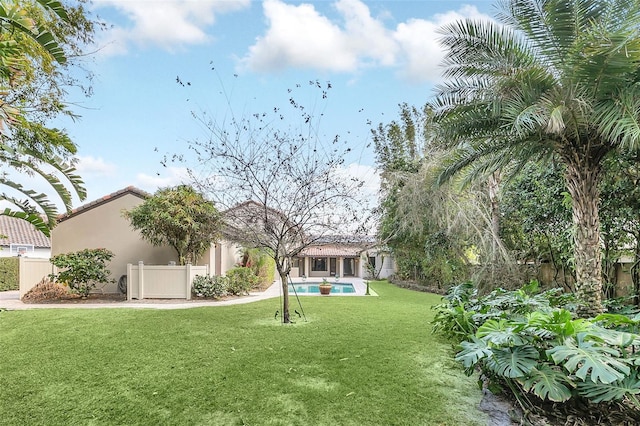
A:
(10, 300)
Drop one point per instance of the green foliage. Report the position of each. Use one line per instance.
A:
(39, 42)
(529, 342)
(241, 280)
(262, 265)
(210, 286)
(9, 273)
(179, 217)
(415, 217)
(82, 270)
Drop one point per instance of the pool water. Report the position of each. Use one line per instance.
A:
(314, 288)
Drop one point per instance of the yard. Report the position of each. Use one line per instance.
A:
(357, 361)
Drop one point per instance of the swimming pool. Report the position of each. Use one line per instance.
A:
(314, 288)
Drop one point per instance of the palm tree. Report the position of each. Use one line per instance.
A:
(28, 147)
(552, 79)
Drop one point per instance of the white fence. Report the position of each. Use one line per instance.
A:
(32, 271)
(161, 281)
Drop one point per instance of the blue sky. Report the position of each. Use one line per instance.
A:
(375, 54)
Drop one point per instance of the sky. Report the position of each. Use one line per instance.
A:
(238, 57)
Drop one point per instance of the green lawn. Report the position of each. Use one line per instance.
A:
(357, 361)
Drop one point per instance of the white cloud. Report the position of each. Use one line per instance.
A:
(419, 43)
(172, 176)
(88, 165)
(299, 36)
(169, 24)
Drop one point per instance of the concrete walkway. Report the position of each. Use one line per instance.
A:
(10, 300)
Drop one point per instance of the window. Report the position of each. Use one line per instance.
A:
(319, 264)
(372, 261)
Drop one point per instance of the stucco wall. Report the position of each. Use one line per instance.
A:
(104, 227)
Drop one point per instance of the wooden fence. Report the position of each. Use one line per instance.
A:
(161, 281)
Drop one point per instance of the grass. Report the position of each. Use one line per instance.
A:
(357, 361)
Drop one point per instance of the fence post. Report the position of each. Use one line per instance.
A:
(129, 271)
(140, 280)
(188, 269)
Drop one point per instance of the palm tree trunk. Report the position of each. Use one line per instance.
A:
(582, 179)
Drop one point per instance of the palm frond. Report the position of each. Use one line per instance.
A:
(41, 200)
(33, 218)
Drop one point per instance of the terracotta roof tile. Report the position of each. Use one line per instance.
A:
(332, 251)
(20, 231)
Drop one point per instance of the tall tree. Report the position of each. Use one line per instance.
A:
(554, 78)
(179, 217)
(283, 186)
(40, 41)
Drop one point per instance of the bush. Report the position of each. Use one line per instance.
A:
(46, 290)
(9, 273)
(531, 344)
(262, 265)
(241, 280)
(208, 286)
(83, 269)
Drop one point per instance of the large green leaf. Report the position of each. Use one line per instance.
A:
(617, 338)
(590, 360)
(548, 383)
(560, 323)
(501, 333)
(472, 352)
(513, 362)
(600, 392)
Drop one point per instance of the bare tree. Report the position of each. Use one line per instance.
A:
(282, 185)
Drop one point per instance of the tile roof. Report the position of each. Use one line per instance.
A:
(332, 251)
(114, 195)
(20, 231)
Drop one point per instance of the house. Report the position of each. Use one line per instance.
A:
(20, 238)
(100, 224)
(323, 257)
(343, 256)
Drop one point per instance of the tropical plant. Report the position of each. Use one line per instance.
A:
(529, 343)
(38, 39)
(179, 217)
(552, 79)
(82, 270)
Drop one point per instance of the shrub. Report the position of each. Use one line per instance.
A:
(531, 344)
(208, 286)
(262, 265)
(241, 280)
(83, 269)
(9, 273)
(46, 290)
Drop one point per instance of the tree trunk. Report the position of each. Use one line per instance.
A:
(583, 176)
(285, 297)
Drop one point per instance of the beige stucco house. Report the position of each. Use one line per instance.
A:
(100, 224)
